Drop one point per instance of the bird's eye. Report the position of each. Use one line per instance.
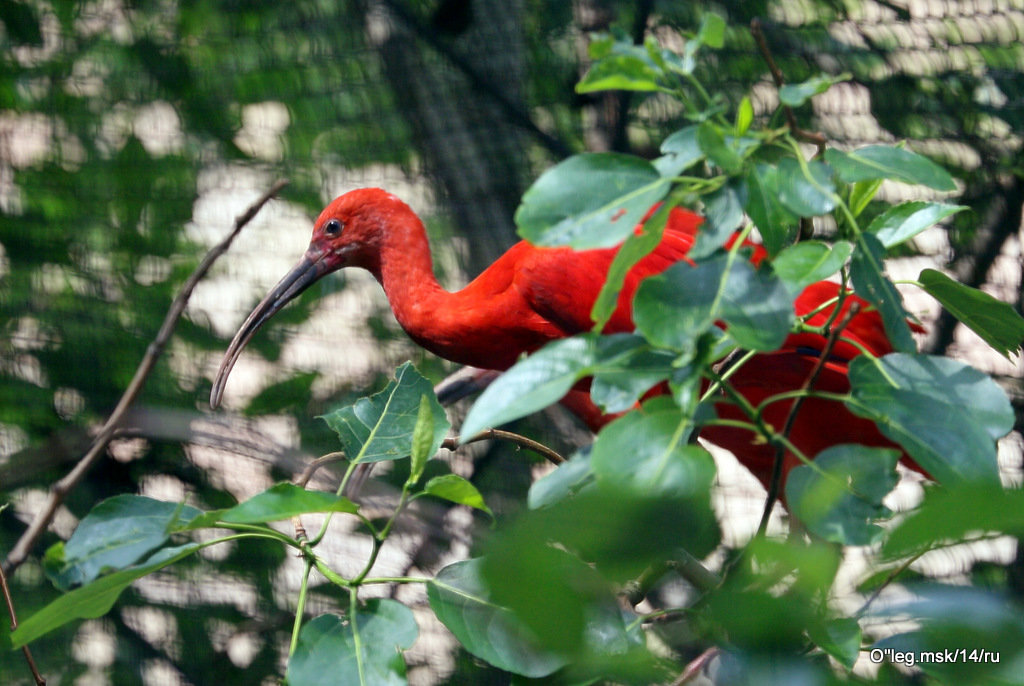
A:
(333, 228)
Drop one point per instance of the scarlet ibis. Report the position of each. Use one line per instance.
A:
(532, 295)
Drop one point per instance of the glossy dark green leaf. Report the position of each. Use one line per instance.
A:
(777, 224)
(361, 650)
(807, 262)
(842, 504)
(757, 306)
(462, 601)
(673, 308)
(796, 94)
(381, 427)
(279, 502)
(660, 463)
(807, 191)
(903, 222)
(93, 599)
(870, 282)
(888, 162)
(456, 489)
(996, 322)
(948, 515)
(593, 200)
(946, 414)
(116, 534)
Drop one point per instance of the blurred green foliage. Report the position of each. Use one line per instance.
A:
(94, 209)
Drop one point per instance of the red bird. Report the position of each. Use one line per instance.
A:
(532, 295)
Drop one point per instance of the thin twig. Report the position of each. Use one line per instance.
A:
(307, 474)
(523, 441)
(60, 490)
(807, 136)
(40, 681)
(696, 665)
(776, 480)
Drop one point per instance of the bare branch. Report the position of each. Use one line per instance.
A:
(60, 490)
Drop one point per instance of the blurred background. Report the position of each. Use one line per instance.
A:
(133, 132)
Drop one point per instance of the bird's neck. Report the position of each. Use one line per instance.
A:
(405, 270)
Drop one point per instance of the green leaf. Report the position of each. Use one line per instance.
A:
(531, 384)
(945, 414)
(841, 504)
(841, 639)
(744, 115)
(281, 501)
(996, 322)
(460, 598)
(903, 222)
(807, 191)
(871, 283)
(454, 488)
(712, 142)
(620, 382)
(117, 533)
(712, 30)
(593, 200)
(633, 249)
(862, 193)
(807, 262)
(796, 94)
(93, 599)
(948, 515)
(544, 377)
(723, 213)
(661, 463)
(381, 427)
(566, 480)
(675, 307)
(624, 72)
(777, 224)
(365, 650)
(422, 440)
(680, 151)
(887, 162)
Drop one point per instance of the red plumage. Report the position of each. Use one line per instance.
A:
(532, 295)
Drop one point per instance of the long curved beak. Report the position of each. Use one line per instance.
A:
(302, 276)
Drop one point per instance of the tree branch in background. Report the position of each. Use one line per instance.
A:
(60, 490)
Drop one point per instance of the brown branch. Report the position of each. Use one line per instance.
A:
(60, 490)
(775, 484)
(522, 441)
(762, 43)
(694, 668)
(40, 681)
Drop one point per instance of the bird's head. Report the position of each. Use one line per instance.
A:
(347, 233)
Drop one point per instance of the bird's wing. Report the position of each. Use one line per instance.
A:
(561, 284)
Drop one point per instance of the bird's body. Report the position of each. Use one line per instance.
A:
(532, 295)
